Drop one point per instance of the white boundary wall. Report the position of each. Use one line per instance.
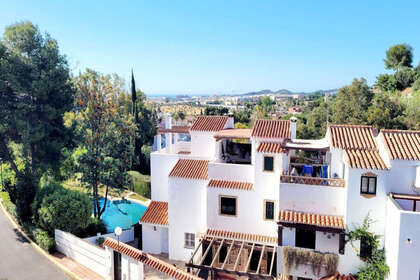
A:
(127, 235)
(82, 252)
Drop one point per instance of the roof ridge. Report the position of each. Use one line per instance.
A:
(351, 125)
(311, 213)
(399, 130)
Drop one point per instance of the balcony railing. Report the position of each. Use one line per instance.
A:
(311, 181)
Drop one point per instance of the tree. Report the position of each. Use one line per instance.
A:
(405, 77)
(398, 56)
(35, 92)
(386, 111)
(386, 82)
(352, 103)
(412, 111)
(108, 134)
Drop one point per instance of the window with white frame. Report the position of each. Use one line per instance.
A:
(368, 184)
(189, 240)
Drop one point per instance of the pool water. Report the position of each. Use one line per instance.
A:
(121, 213)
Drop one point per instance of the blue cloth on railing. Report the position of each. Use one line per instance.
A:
(307, 169)
(325, 171)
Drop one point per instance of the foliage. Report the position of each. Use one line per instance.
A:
(412, 111)
(298, 257)
(35, 91)
(398, 56)
(94, 227)
(42, 194)
(65, 210)
(44, 241)
(416, 85)
(405, 77)
(386, 111)
(10, 207)
(140, 183)
(180, 115)
(108, 136)
(100, 241)
(387, 82)
(215, 111)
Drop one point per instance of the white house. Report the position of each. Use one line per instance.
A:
(234, 203)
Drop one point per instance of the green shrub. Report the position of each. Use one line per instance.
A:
(65, 210)
(140, 183)
(44, 240)
(8, 205)
(42, 193)
(95, 226)
(416, 85)
(100, 241)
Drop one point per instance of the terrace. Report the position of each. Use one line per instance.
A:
(233, 146)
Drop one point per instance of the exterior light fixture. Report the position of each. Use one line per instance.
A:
(117, 232)
(409, 241)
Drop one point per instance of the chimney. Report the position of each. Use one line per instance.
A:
(293, 123)
(168, 121)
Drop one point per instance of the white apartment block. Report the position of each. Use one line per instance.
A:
(230, 202)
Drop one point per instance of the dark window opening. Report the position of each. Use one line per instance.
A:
(222, 254)
(305, 238)
(228, 206)
(255, 258)
(268, 163)
(269, 210)
(368, 185)
(209, 257)
(365, 248)
(239, 153)
(269, 257)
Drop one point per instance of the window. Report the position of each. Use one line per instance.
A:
(189, 240)
(268, 163)
(365, 248)
(305, 238)
(268, 210)
(368, 185)
(223, 254)
(227, 205)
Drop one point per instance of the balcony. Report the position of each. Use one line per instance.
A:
(304, 180)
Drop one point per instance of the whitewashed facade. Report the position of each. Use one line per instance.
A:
(261, 175)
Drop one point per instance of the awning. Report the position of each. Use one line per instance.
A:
(327, 223)
(238, 250)
(233, 133)
(310, 145)
(174, 129)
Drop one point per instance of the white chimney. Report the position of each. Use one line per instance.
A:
(168, 121)
(293, 123)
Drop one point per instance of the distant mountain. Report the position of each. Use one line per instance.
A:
(287, 92)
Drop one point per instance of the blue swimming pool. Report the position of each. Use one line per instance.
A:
(121, 213)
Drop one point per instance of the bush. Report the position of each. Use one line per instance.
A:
(8, 205)
(140, 183)
(416, 85)
(95, 226)
(26, 189)
(43, 193)
(44, 240)
(65, 210)
(405, 77)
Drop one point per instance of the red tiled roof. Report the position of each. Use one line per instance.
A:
(352, 137)
(241, 236)
(156, 213)
(190, 169)
(184, 153)
(338, 276)
(271, 129)
(270, 148)
(402, 144)
(151, 261)
(236, 133)
(209, 123)
(230, 184)
(174, 129)
(294, 217)
(365, 159)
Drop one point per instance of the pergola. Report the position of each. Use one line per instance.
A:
(235, 249)
(410, 197)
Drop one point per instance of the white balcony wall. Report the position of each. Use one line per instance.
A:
(231, 172)
(203, 144)
(313, 199)
(155, 239)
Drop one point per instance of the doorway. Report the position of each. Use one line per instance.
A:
(117, 265)
(305, 238)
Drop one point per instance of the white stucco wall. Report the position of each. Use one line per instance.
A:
(155, 239)
(203, 144)
(187, 213)
(231, 172)
(161, 165)
(131, 269)
(392, 237)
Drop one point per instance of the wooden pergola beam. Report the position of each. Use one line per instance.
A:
(227, 255)
(260, 260)
(196, 250)
(217, 253)
(206, 252)
(249, 258)
(272, 260)
(239, 256)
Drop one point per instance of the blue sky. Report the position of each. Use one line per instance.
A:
(225, 46)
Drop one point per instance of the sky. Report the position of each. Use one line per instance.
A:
(225, 47)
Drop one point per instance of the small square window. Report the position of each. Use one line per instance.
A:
(268, 163)
(189, 240)
(228, 205)
(368, 185)
(269, 210)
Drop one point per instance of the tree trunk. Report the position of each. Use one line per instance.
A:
(9, 157)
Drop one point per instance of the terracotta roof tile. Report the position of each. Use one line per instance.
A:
(175, 129)
(270, 148)
(402, 144)
(230, 184)
(190, 169)
(338, 276)
(241, 236)
(352, 137)
(236, 133)
(156, 213)
(365, 159)
(209, 123)
(149, 260)
(294, 217)
(271, 129)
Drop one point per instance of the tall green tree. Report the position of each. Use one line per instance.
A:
(386, 111)
(398, 56)
(35, 92)
(107, 144)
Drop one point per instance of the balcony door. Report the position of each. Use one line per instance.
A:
(305, 238)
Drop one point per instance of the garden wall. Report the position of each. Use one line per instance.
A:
(82, 252)
(127, 235)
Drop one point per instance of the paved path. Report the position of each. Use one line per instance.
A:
(19, 260)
